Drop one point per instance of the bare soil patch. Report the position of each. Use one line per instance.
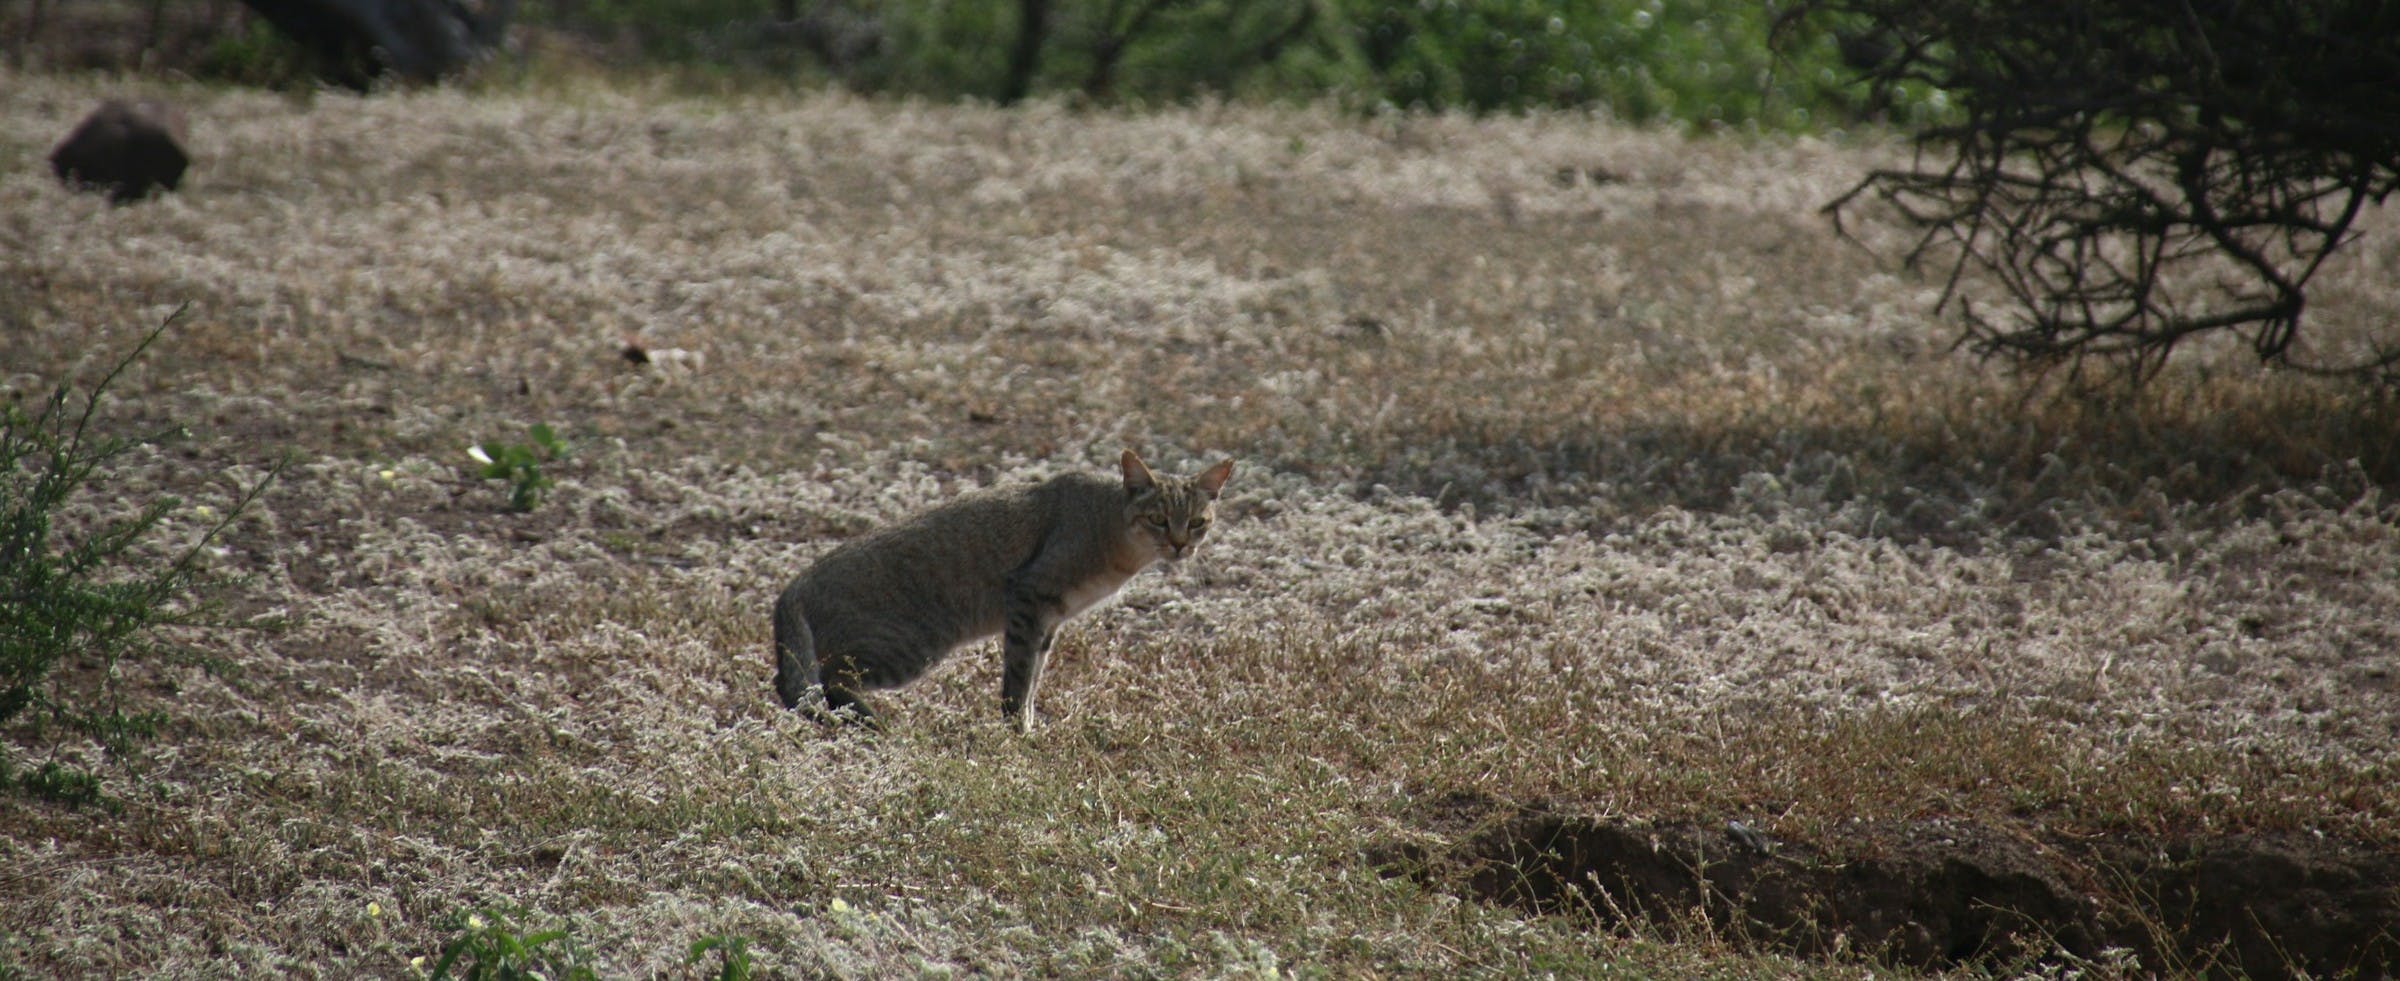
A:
(1942, 894)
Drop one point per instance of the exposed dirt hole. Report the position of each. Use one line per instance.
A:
(1945, 894)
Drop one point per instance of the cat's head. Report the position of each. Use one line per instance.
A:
(1170, 514)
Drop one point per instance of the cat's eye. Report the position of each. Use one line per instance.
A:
(1199, 523)
(1156, 521)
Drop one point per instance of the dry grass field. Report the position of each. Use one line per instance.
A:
(1590, 490)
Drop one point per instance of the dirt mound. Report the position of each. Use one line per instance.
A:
(1946, 894)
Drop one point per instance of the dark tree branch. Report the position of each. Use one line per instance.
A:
(2130, 174)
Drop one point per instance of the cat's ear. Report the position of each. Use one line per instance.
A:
(1137, 474)
(1213, 479)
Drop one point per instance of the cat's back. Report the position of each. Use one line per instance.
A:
(981, 535)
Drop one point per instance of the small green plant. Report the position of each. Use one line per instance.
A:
(79, 605)
(521, 465)
(734, 954)
(494, 945)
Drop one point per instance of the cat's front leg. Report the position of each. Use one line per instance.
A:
(1033, 620)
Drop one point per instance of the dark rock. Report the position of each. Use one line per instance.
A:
(128, 149)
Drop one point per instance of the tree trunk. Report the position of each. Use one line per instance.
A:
(1033, 22)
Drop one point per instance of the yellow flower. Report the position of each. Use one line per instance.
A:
(374, 909)
(386, 473)
(474, 921)
(840, 907)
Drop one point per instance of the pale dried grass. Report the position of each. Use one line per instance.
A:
(1579, 464)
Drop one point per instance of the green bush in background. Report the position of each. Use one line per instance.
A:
(253, 54)
(1706, 62)
(1697, 62)
(1642, 60)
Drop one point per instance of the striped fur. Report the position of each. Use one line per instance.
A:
(878, 611)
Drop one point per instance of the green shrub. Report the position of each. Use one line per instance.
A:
(81, 606)
(1703, 62)
(255, 55)
(733, 956)
(500, 944)
(521, 465)
(494, 945)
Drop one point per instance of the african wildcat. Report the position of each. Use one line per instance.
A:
(878, 611)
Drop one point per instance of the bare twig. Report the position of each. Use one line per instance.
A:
(2126, 183)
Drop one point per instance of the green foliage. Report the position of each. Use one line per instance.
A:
(733, 956)
(940, 49)
(501, 944)
(688, 31)
(521, 465)
(1163, 51)
(496, 945)
(1643, 60)
(1703, 62)
(256, 55)
(81, 604)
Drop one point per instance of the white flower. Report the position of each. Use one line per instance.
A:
(477, 452)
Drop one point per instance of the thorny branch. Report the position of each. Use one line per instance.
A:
(2128, 174)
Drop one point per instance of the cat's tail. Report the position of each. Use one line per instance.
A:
(796, 680)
